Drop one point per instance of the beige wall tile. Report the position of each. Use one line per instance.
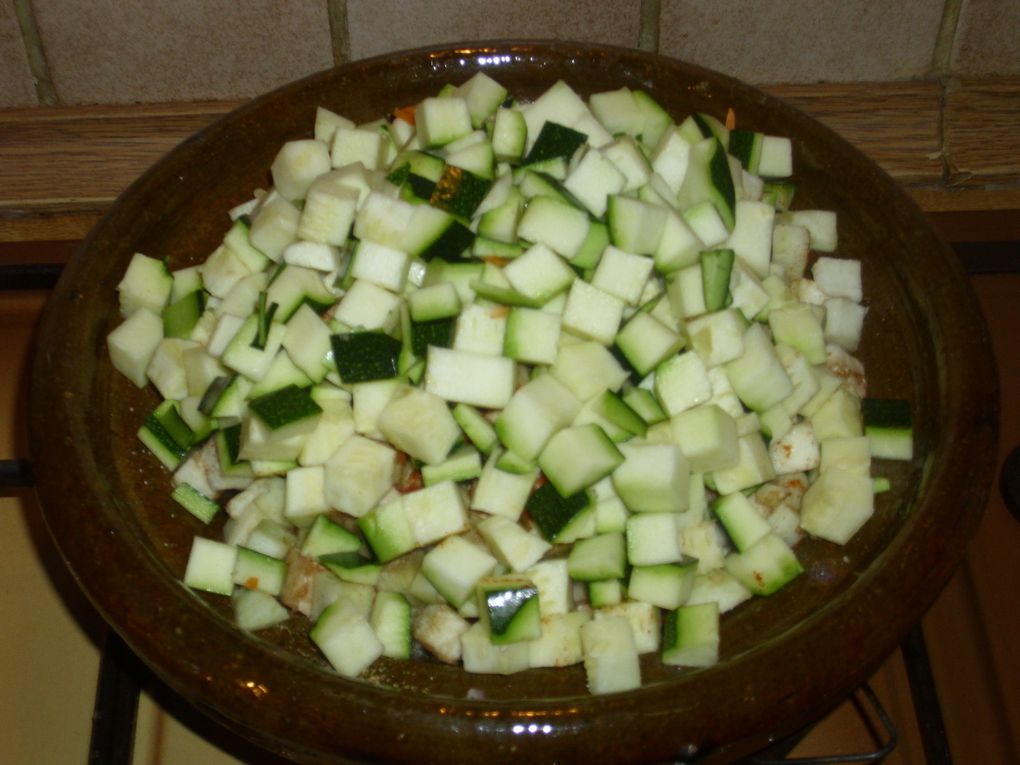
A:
(16, 86)
(107, 51)
(382, 26)
(988, 39)
(769, 41)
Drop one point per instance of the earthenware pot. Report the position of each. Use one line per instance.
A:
(785, 659)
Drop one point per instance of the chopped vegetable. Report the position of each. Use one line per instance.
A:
(518, 384)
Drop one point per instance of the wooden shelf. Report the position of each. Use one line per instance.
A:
(954, 145)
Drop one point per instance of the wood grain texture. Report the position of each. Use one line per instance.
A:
(955, 147)
(983, 131)
(894, 123)
(61, 168)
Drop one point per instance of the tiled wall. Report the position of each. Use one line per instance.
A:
(125, 51)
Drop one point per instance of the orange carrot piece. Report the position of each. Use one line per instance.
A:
(405, 113)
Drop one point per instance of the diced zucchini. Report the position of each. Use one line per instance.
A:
(837, 505)
(196, 503)
(765, 566)
(664, 585)
(610, 655)
(509, 605)
(391, 622)
(888, 426)
(552, 512)
(652, 539)
(211, 566)
(256, 610)
(599, 557)
(346, 638)
(652, 478)
(744, 524)
(256, 571)
(133, 343)
(691, 636)
(455, 567)
(578, 456)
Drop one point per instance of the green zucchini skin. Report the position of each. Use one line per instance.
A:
(365, 356)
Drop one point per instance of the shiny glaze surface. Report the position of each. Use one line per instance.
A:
(785, 658)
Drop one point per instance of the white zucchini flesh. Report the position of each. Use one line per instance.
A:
(597, 293)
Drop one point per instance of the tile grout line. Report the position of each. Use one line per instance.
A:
(648, 31)
(942, 55)
(37, 64)
(941, 68)
(339, 31)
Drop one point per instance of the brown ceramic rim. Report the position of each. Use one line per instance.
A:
(295, 707)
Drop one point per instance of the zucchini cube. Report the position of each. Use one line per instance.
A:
(256, 610)
(502, 493)
(799, 327)
(469, 378)
(718, 337)
(256, 571)
(391, 622)
(578, 456)
(555, 589)
(419, 423)
(511, 544)
(765, 566)
(481, 655)
(435, 512)
(665, 585)
(345, 637)
(753, 466)
(539, 273)
(455, 566)
(622, 274)
(326, 537)
(147, 283)
(682, 382)
(387, 530)
(839, 417)
(600, 557)
(707, 436)
(691, 636)
(744, 524)
(652, 538)
(837, 505)
(536, 411)
(532, 335)
(211, 566)
(610, 655)
(509, 606)
(297, 164)
(757, 374)
(560, 642)
(358, 474)
(592, 313)
(442, 120)
(133, 343)
(652, 478)
(647, 342)
(587, 369)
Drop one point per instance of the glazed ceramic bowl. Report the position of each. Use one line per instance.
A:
(785, 659)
